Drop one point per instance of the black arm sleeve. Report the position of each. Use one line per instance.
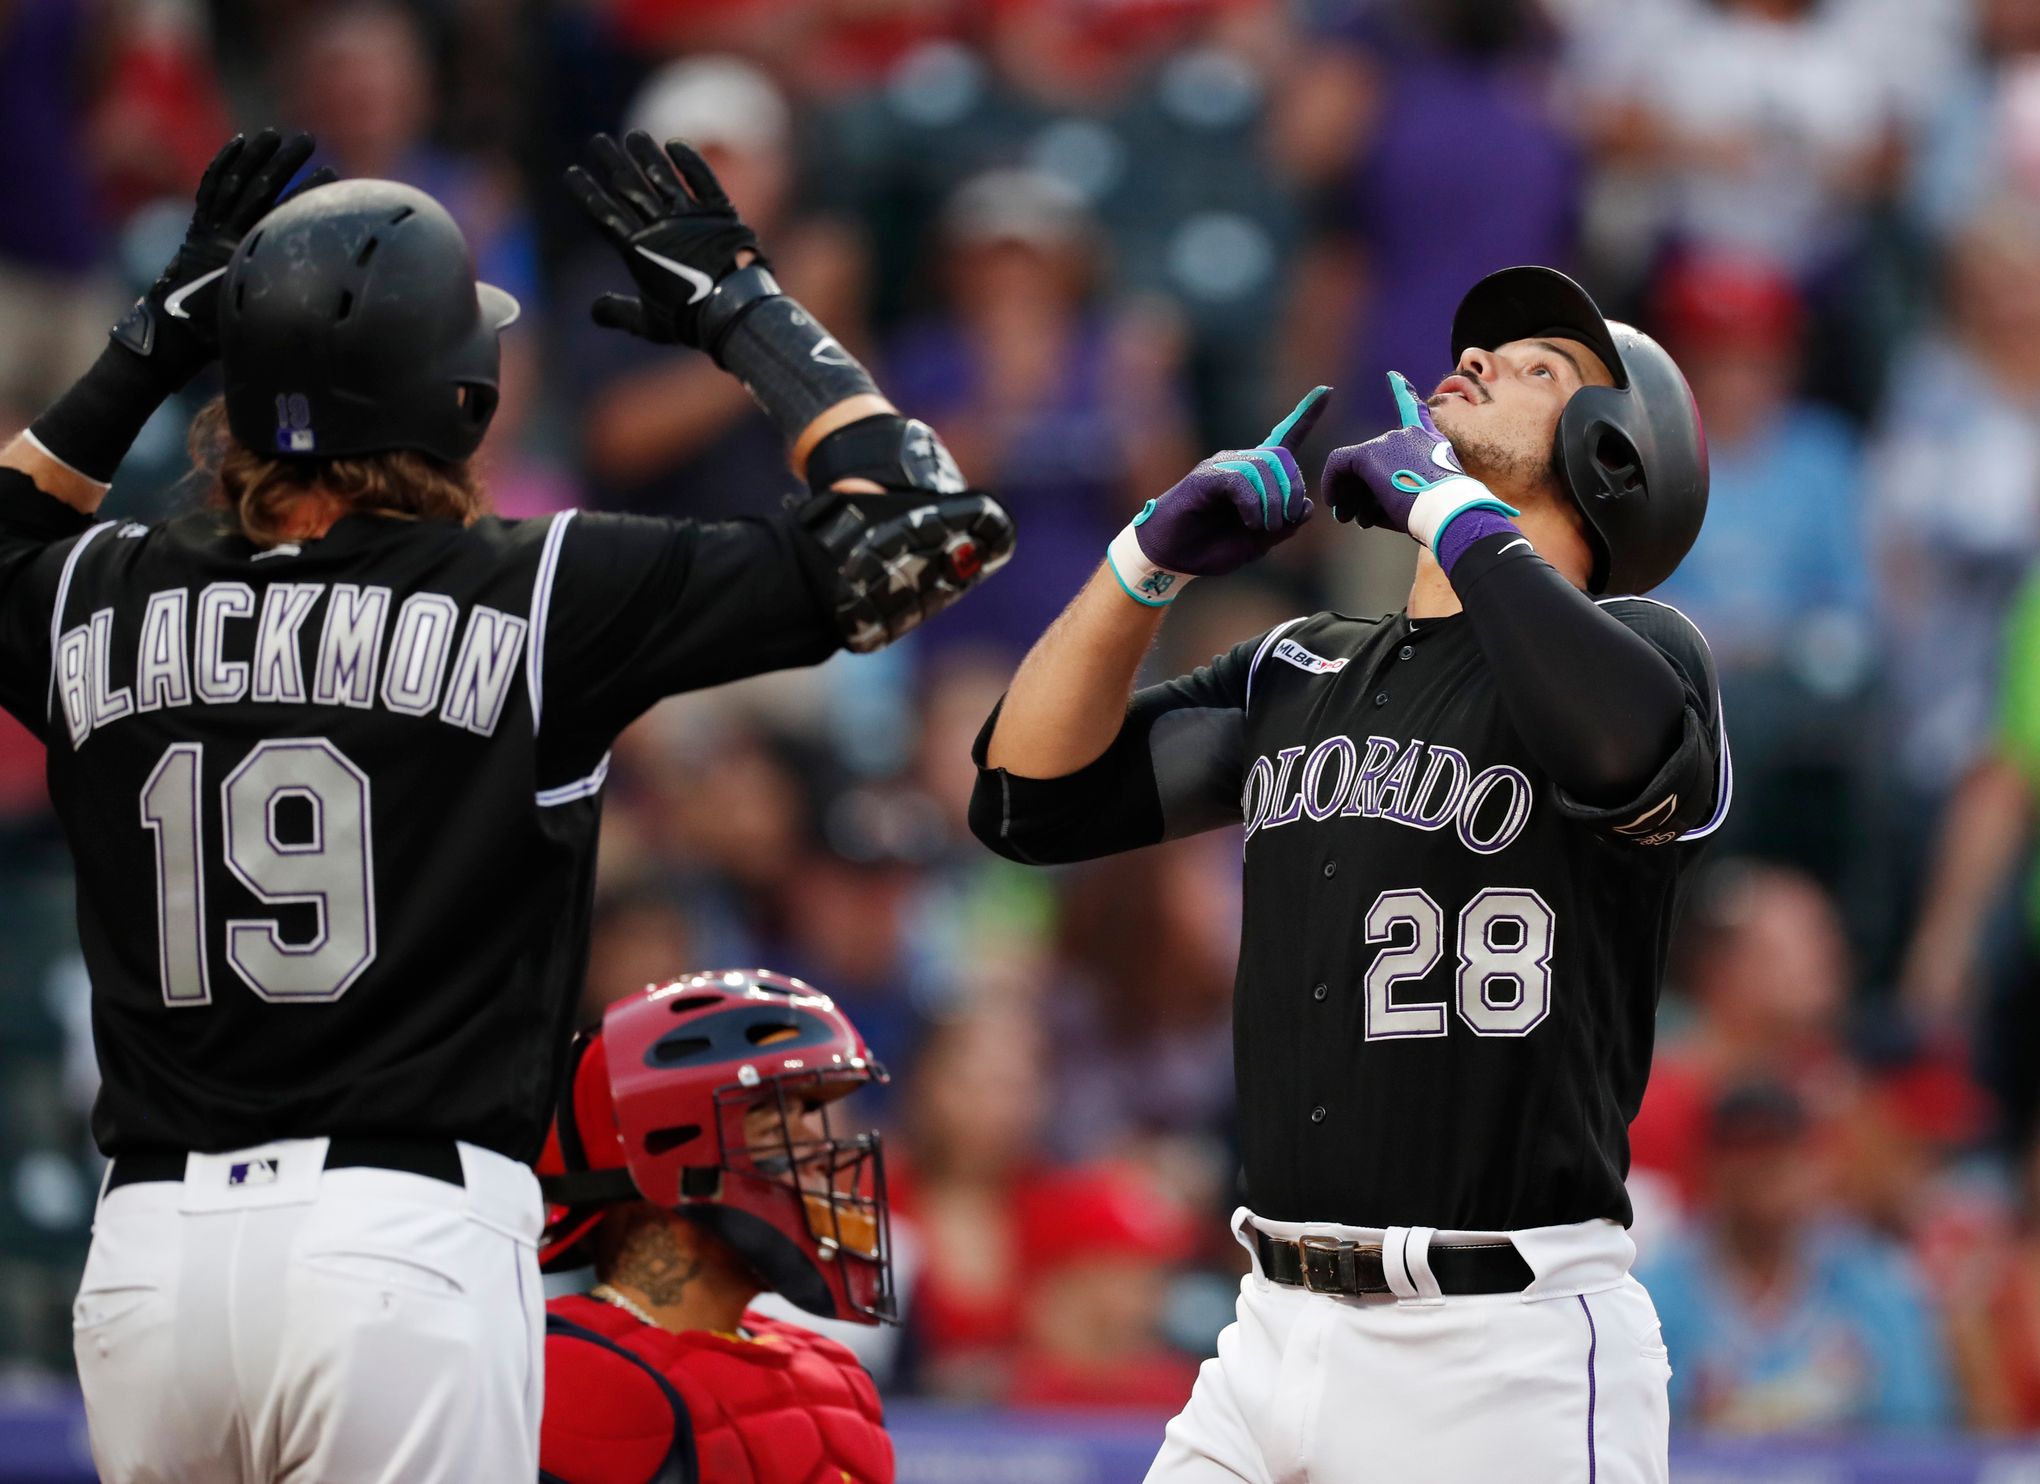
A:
(35, 532)
(1597, 706)
(645, 608)
(1175, 769)
(1617, 701)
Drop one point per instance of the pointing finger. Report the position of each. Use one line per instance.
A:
(1414, 410)
(1293, 429)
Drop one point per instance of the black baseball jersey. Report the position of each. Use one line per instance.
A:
(334, 805)
(1449, 969)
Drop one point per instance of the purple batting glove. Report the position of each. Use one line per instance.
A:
(1229, 510)
(1409, 479)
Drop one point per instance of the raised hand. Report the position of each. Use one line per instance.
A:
(1408, 479)
(666, 213)
(1226, 512)
(175, 325)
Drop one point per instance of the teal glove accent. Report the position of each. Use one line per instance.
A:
(1308, 403)
(1224, 513)
(1411, 412)
(1408, 479)
(1253, 472)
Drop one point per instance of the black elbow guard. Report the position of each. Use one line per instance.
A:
(893, 452)
(903, 555)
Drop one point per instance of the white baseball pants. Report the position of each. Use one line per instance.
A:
(1563, 1383)
(313, 1326)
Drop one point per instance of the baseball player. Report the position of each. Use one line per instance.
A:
(696, 1167)
(1467, 827)
(330, 756)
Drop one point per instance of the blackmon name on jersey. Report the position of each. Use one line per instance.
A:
(1449, 968)
(333, 806)
(181, 660)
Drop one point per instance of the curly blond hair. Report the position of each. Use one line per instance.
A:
(257, 489)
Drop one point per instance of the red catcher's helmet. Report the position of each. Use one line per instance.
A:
(655, 1111)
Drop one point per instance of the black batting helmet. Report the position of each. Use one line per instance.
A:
(1633, 455)
(351, 323)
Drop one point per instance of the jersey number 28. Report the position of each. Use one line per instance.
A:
(1503, 983)
(333, 871)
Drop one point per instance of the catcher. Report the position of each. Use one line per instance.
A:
(695, 1165)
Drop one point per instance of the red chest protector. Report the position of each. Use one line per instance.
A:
(626, 1403)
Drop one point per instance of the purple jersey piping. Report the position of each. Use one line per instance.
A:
(1593, 1341)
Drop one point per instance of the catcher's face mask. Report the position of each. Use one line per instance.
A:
(716, 1096)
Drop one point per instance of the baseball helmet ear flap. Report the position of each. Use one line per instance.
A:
(583, 1168)
(1600, 464)
(1634, 460)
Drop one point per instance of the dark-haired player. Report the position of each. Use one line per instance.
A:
(1467, 828)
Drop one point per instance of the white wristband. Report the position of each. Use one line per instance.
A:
(1433, 510)
(1145, 583)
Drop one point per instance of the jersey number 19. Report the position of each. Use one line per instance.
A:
(333, 871)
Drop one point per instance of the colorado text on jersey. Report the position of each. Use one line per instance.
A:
(1488, 807)
(180, 655)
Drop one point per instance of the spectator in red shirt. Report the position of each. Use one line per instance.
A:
(1767, 970)
(973, 1120)
(1098, 1245)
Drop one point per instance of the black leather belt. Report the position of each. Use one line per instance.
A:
(438, 1159)
(1352, 1269)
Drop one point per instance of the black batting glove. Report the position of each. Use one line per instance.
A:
(664, 211)
(173, 331)
(175, 325)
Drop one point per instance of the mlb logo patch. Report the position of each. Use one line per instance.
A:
(252, 1172)
(294, 432)
(1303, 659)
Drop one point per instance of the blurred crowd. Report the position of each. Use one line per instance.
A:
(1091, 240)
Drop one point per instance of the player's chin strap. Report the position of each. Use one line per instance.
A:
(904, 555)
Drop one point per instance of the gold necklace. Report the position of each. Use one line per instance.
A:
(609, 1295)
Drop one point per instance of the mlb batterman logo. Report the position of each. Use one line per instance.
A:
(294, 423)
(1295, 654)
(252, 1172)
